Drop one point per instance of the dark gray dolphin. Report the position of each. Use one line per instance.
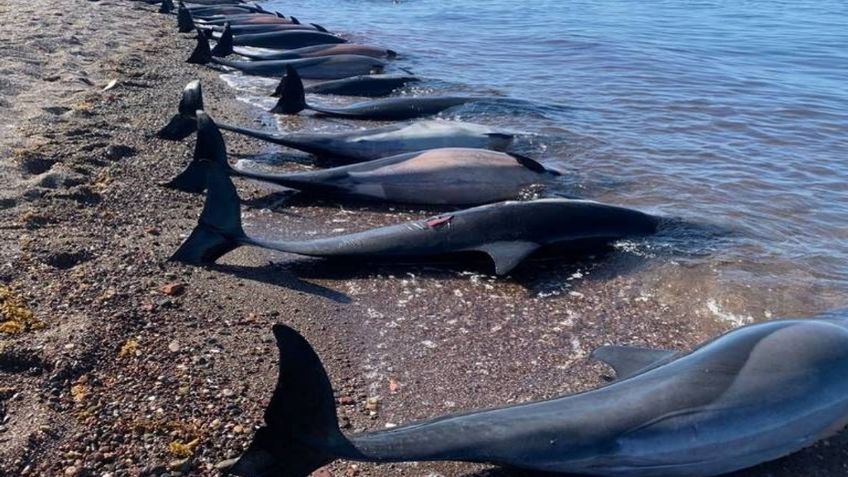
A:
(318, 50)
(363, 85)
(293, 100)
(507, 232)
(225, 41)
(352, 146)
(321, 67)
(189, 17)
(752, 395)
(217, 31)
(285, 40)
(249, 19)
(448, 176)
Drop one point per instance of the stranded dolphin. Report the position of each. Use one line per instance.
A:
(752, 395)
(363, 85)
(507, 232)
(284, 40)
(293, 100)
(321, 67)
(316, 50)
(217, 31)
(451, 176)
(354, 146)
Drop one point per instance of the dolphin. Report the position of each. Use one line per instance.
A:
(293, 100)
(283, 40)
(449, 176)
(248, 19)
(507, 232)
(316, 50)
(353, 146)
(223, 10)
(362, 85)
(186, 21)
(211, 14)
(217, 31)
(225, 45)
(752, 395)
(322, 67)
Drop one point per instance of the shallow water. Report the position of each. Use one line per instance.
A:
(729, 118)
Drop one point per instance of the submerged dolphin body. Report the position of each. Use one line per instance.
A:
(453, 176)
(321, 67)
(354, 146)
(752, 395)
(293, 100)
(507, 232)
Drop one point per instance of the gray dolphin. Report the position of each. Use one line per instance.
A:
(317, 50)
(352, 146)
(749, 396)
(321, 67)
(190, 17)
(293, 100)
(449, 176)
(507, 232)
(363, 85)
(286, 40)
(218, 31)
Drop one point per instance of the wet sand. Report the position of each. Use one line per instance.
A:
(120, 377)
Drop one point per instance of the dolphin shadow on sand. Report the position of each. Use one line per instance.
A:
(273, 274)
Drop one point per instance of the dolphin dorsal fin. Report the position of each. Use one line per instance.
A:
(507, 255)
(629, 361)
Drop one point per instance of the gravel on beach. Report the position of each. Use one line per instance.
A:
(116, 362)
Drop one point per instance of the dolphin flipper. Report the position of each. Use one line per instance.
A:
(507, 255)
(628, 361)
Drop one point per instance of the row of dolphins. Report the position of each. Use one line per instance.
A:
(749, 396)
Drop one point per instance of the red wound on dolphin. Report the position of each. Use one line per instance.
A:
(437, 222)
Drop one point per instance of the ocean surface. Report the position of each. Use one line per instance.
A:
(728, 118)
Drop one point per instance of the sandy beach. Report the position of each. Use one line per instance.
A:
(114, 361)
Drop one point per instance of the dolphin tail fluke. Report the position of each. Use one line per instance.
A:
(290, 90)
(202, 53)
(184, 122)
(185, 23)
(209, 146)
(301, 432)
(218, 230)
(224, 47)
(167, 6)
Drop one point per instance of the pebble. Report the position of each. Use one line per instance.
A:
(173, 289)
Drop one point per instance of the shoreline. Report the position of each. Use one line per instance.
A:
(127, 379)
